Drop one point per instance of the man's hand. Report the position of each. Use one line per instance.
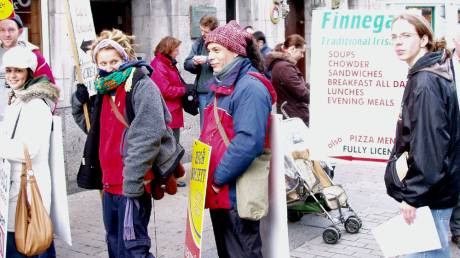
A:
(215, 188)
(408, 212)
(198, 60)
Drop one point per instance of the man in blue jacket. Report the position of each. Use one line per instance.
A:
(235, 126)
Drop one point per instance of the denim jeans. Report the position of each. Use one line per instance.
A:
(114, 214)
(202, 98)
(12, 252)
(441, 220)
(455, 220)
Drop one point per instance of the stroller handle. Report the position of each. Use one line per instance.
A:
(284, 111)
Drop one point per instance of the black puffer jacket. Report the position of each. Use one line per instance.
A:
(428, 129)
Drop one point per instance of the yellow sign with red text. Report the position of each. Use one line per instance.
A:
(195, 211)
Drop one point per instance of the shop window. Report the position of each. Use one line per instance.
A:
(30, 13)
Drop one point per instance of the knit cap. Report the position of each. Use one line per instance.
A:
(231, 36)
(16, 18)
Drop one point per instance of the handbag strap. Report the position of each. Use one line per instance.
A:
(16, 124)
(28, 161)
(220, 128)
(117, 113)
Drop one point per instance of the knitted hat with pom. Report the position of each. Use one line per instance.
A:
(231, 36)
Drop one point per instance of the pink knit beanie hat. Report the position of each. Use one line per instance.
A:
(231, 36)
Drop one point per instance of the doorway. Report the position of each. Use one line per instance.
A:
(112, 15)
(295, 24)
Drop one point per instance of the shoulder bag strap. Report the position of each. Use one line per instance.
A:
(219, 124)
(28, 161)
(16, 124)
(118, 115)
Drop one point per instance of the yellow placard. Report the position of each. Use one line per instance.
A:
(198, 181)
(6, 9)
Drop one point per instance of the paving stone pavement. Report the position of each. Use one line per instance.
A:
(363, 184)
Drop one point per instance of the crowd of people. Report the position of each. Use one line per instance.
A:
(132, 150)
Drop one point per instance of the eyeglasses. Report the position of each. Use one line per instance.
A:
(300, 49)
(403, 36)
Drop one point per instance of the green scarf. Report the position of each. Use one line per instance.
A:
(34, 81)
(110, 82)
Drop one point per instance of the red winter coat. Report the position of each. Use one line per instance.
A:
(166, 76)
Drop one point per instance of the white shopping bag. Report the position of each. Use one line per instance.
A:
(59, 204)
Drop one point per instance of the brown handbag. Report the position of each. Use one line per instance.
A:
(33, 231)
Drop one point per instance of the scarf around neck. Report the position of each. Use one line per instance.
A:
(110, 82)
(220, 76)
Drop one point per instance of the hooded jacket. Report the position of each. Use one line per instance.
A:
(30, 108)
(147, 142)
(289, 85)
(42, 69)
(243, 106)
(428, 129)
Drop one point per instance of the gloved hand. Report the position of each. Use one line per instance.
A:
(161, 185)
(180, 171)
(82, 93)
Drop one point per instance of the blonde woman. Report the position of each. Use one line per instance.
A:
(119, 154)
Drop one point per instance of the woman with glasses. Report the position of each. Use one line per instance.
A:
(287, 79)
(427, 130)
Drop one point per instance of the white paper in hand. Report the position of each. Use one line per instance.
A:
(401, 166)
(395, 237)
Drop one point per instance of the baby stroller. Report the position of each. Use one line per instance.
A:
(309, 187)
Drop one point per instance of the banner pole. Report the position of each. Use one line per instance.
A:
(76, 61)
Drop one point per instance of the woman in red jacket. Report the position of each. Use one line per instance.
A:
(167, 78)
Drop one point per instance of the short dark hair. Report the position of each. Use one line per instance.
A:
(259, 35)
(209, 21)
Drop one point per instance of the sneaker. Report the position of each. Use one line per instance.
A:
(181, 184)
(456, 240)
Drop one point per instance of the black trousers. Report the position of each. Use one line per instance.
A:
(235, 237)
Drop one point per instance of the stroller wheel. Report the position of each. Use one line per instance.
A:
(353, 225)
(294, 216)
(331, 235)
